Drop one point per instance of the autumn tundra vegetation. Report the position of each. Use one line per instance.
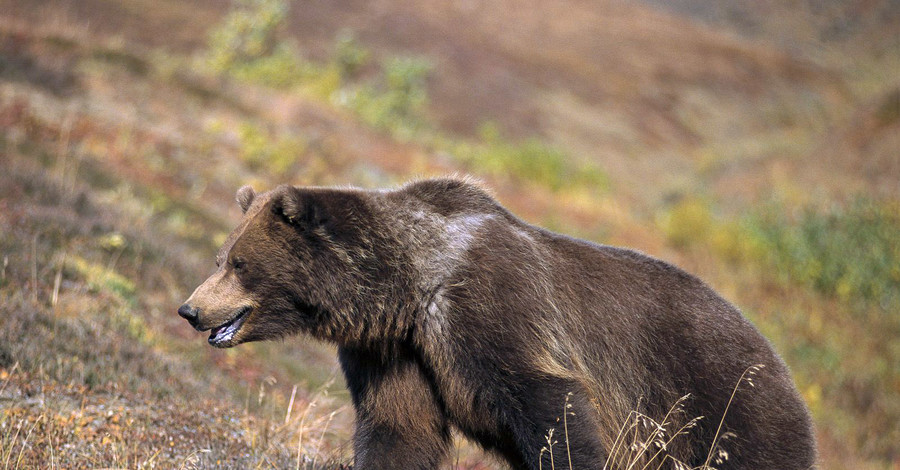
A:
(754, 145)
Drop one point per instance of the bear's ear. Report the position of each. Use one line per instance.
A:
(244, 197)
(296, 207)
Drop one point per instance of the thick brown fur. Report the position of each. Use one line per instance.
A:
(451, 313)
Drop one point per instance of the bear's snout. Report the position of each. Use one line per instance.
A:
(189, 313)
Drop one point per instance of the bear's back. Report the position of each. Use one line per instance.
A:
(452, 196)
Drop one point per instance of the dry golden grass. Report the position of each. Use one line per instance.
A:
(643, 442)
(120, 159)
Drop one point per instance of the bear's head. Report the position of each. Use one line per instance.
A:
(292, 265)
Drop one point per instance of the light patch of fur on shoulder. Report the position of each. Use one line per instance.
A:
(461, 231)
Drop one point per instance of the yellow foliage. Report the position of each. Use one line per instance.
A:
(813, 396)
(219, 238)
(688, 222)
(324, 83)
(101, 278)
(112, 241)
(262, 149)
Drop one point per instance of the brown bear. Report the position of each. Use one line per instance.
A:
(450, 313)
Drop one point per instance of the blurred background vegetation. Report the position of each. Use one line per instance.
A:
(756, 144)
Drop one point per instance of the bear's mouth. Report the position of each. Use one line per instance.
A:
(221, 335)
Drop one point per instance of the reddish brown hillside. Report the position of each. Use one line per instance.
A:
(172, 24)
(499, 58)
(620, 83)
(865, 150)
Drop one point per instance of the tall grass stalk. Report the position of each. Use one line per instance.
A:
(322, 436)
(660, 429)
(747, 375)
(25, 441)
(323, 390)
(287, 414)
(566, 427)
(34, 276)
(549, 448)
(629, 453)
(619, 439)
(12, 442)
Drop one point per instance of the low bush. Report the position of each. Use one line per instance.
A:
(530, 160)
(851, 252)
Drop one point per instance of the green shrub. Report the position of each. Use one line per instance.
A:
(247, 33)
(349, 55)
(397, 101)
(247, 46)
(264, 151)
(103, 279)
(528, 160)
(280, 69)
(688, 222)
(850, 252)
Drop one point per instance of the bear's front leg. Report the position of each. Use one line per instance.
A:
(399, 423)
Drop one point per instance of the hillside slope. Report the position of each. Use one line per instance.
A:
(630, 87)
(618, 83)
(769, 173)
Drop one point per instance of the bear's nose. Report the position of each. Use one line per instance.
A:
(189, 313)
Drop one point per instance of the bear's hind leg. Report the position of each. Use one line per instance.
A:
(399, 423)
(575, 436)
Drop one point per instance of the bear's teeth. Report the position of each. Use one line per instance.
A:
(227, 331)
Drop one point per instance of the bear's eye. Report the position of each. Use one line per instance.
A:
(237, 263)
